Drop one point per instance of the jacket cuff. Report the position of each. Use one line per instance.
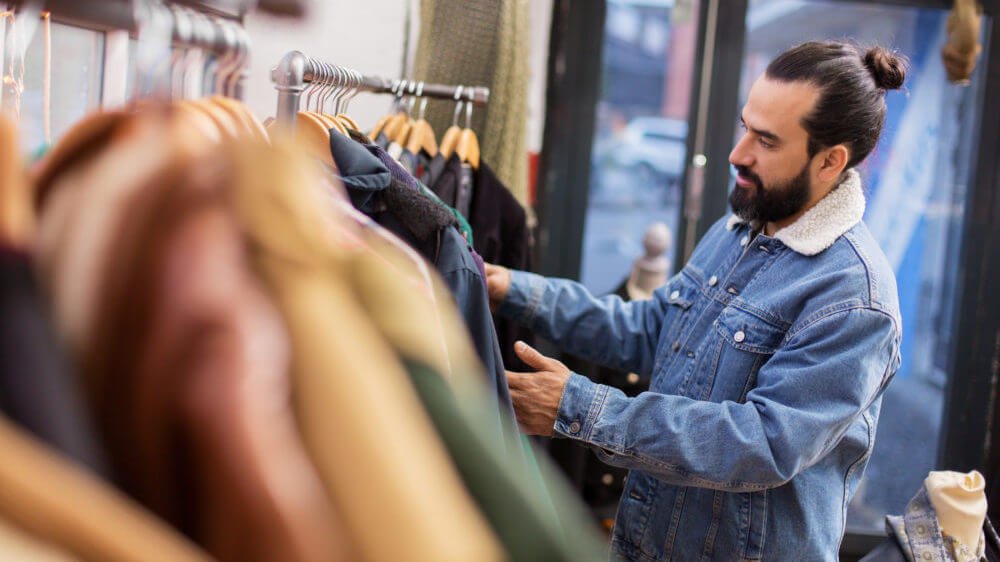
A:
(523, 298)
(580, 407)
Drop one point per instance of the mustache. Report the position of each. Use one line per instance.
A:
(746, 173)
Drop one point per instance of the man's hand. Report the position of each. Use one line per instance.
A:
(497, 284)
(536, 395)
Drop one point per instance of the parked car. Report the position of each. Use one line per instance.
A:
(649, 157)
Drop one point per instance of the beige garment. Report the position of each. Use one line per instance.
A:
(959, 499)
(483, 43)
(63, 505)
(195, 360)
(70, 243)
(18, 546)
(186, 360)
(385, 468)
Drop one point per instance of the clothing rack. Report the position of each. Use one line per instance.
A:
(214, 33)
(296, 70)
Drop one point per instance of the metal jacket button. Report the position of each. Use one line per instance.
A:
(744, 240)
(712, 281)
(675, 295)
(739, 336)
(574, 427)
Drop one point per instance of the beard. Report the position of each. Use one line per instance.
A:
(777, 202)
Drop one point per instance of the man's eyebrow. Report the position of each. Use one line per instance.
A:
(760, 132)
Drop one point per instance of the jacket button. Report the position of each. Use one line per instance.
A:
(739, 336)
(744, 240)
(712, 281)
(676, 346)
(574, 427)
(632, 378)
(675, 295)
(607, 479)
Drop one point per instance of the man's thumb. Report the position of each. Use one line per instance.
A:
(531, 356)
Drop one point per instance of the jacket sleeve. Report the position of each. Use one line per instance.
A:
(807, 395)
(607, 331)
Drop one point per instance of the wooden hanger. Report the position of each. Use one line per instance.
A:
(422, 136)
(467, 147)
(313, 134)
(383, 123)
(242, 115)
(227, 127)
(16, 214)
(450, 138)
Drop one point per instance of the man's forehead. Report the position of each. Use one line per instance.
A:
(779, 106)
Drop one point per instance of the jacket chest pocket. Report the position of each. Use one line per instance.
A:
(680, 312)
(680, 300)
(744, 342)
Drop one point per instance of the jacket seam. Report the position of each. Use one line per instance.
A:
(872, 289)
(596, 405)
(856, 463)
(832, 310)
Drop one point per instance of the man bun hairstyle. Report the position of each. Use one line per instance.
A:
(850, 109)
(887, 69)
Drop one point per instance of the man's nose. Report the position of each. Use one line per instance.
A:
(741, 156)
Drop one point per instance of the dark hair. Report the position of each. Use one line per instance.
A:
(850, 109)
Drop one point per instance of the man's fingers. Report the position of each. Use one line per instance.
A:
(531, 356)
(515, 380)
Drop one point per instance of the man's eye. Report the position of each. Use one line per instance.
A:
(765, 143)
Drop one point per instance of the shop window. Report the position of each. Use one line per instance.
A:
(76, 72)
(641, 130)
(916, 182)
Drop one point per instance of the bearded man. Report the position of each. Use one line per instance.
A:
(768, 353)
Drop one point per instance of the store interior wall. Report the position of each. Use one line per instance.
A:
(368, 36)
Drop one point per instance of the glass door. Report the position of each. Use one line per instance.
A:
(917, 181)
(640, 137)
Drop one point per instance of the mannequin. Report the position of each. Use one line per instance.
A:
(650, 271)
(960, 502)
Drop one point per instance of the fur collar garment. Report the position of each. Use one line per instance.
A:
(819, 227)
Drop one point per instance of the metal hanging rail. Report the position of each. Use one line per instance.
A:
(296, 71)
(208, 31)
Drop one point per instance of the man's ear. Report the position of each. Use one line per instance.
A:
(832, 163)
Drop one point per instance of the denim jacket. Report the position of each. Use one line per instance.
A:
(768, 356)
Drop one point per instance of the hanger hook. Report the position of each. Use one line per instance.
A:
(413, 98)
(356, 81)
(242, 46)
(468, 109)
(423, 101)
(324, 86)
(331, 86)
(344, 80)
(458, 105)
(313, 84)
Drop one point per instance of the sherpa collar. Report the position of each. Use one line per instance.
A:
(819, 227)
